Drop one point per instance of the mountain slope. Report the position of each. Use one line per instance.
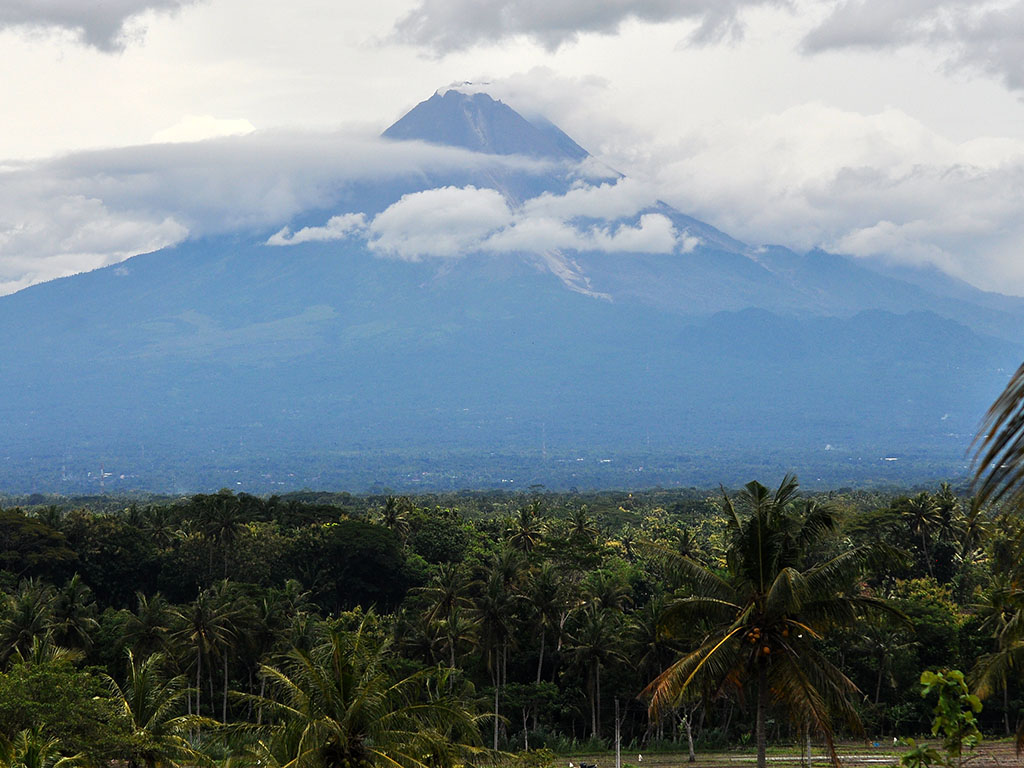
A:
(224, 361)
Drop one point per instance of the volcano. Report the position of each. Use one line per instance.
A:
(529, 318)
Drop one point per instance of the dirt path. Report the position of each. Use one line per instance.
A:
(995, 754)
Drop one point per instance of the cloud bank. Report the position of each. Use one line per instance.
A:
(91, 209)
(448, 25)
(452, 222)
(108, 25)
(983, 35)
(881, 186)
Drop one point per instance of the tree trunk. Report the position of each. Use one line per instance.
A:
(762, 707)
(540, 659)
(263, 690)
(497, 679)
(224, 706)
(1006, 705)
(878, 683)
(526, 736)
(927, 555)
(689, 739)
(199, 681)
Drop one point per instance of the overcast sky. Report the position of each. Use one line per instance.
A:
(881, 128)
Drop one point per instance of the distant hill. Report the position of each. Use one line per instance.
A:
(227, 362)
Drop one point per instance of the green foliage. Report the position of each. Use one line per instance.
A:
(954, 718)
(29, 547)
(65, 704)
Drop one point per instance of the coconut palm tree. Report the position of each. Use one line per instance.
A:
(766, 612)
(74, 615)
(24, 616)
(148, 630)
(526, 526)
(999, 447)
(206, 627)
(549, 600)
(593, 644)
(33, 748)
(338, 706)
(152, 705)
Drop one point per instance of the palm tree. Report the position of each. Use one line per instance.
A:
(221, 523)
(999, 447)
(526, 526)
(549, 599)
(395, 515)
(581, 526)
(207, 626)
(32, 748)
(766, 612)
(152, 705)
(338, 706)
(148, 629)
(494, 614)
(593, 644)
(922, 514)
(74, 615)
(25, 615)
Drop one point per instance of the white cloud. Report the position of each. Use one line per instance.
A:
(91, 209)
(73, 234)
(106, 25)
(625, 197)
(200, 127)
(445, 222)
(452, 222)
(879, 185)
(984, 35)
(446, 25)
(654, 233)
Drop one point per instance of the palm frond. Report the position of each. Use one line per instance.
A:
(999, 447)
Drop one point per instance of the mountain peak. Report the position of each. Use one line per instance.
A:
(458, 117)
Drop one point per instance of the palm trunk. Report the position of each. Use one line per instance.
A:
(224, 706)
(496, 681)
(762, 707)
(263, 690)
(540, 659)
(927, 556)
(199, 680)
(689, 739)
(878, 683)
(593, 710)
(1006, 706)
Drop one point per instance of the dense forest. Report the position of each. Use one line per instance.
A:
(329, 629)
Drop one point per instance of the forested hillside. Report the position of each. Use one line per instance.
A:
(227, 609)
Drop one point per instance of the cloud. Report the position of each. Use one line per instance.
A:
(337, 228)
(983, 35)
(91, 209)
(626, 197)
(654, 233)
(452, 222)
(445, 222)
(107, 26)
(200, 127)
(448, 25)
(881, 186)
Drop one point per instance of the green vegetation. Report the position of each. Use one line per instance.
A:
(335, 630)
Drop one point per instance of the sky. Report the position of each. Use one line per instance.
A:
(884, 129)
